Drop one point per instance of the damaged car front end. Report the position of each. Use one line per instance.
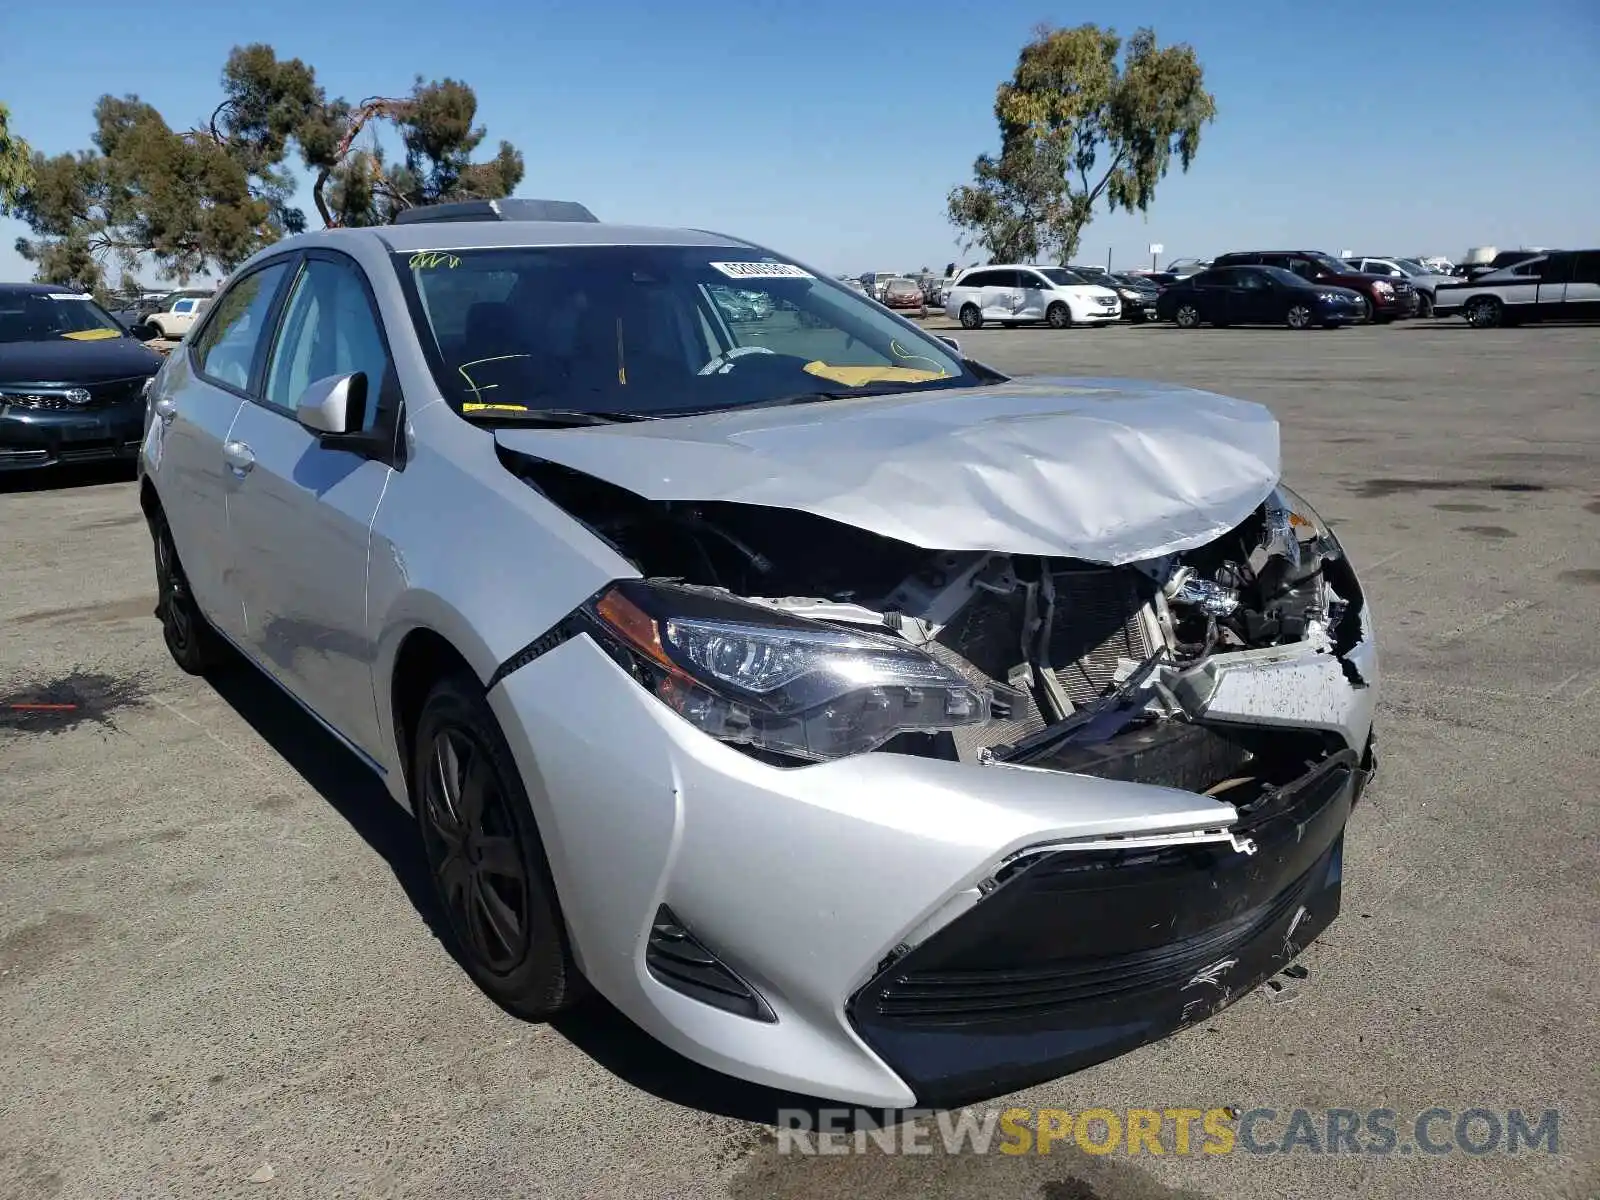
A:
(932, 824)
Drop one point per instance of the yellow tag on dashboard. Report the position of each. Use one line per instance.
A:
(91, 335)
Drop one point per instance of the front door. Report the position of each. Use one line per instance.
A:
(1555, 277)
(194, 411)
(300, 511)
(1254, 299)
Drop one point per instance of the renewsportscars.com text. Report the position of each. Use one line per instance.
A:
(1176, 1131)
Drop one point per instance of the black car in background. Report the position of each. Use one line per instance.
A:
(1387, 299)
(1257, 296)
(72, 380)
(1137, 293)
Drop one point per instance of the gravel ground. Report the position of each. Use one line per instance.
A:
(219, 976)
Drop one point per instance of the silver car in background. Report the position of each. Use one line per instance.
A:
(855, 719)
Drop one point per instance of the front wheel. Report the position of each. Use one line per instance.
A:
(1484, 312)
(1298, 317)
(485, 856)
(971, 318)
(1424, 305)
(191, 641)
(1059, 316)
(1187, 317)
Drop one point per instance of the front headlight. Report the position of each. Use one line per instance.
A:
(1127, 293)
(1294, 530)
(743, 673)
(1383, 289)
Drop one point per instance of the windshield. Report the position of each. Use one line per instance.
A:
(1060, 275)
(1411, 266)
(647, 330)
(45, 316)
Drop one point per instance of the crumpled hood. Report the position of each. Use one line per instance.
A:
(1107, 470)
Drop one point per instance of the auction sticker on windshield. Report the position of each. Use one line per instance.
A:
(762, 270)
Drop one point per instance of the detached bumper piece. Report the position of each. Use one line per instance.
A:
(677, 960)
(1081, 955)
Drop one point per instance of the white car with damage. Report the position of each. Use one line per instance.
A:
(855, 719)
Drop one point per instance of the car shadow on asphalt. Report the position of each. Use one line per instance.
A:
(594, 1026)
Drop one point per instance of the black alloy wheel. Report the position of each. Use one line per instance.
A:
(1299, 316)
(487, 862)
(193, 644)
(1187, 317)
(1484, 312)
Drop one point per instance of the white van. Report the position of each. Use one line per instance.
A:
(1012, 295)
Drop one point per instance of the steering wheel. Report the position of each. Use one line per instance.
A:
(723, 362)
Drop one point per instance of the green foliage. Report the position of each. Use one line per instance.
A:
(191, 201)
(16, 163)
(1075, 126)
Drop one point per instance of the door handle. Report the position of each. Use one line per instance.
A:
(166, 409)
(239, 457)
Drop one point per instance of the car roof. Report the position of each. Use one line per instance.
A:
(40, 289)
(482, 235)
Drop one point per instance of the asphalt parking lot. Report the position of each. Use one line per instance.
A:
(219, 976)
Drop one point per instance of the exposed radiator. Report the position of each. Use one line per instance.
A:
(1098, 620)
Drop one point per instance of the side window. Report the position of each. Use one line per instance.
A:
(1213, 278)
(1034, 281)
(977, 279)
(1586, 267)
(1528, 270)
(1249, 280)
(1303, 267)
(328, 328)
(1556, 269)
(226, 347)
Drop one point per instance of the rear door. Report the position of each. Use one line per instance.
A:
(1211, 290)
(1555, 276)
(301, 507)
(1583, 289)
(1002, 295)
(201, 394)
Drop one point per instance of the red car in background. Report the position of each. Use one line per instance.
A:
(905, 295)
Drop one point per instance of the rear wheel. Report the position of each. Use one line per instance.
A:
(1298, 316)
(193, 644)
(971, 318)
(485, 856)
(1059, 316)
(1484, 312)
(1187, 317)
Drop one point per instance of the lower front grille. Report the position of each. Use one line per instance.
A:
(1099, 620)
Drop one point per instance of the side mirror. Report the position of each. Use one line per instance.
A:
(952, 343)
(334, 405)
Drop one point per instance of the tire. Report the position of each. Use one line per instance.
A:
(485, 858)
(971, 317)
(1058, 316)
(1484, 312)
(155, 329)
(1187, 316)
(1424, 305)
(193, 644)
(1298, 317)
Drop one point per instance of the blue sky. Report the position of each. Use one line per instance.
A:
(832, 131)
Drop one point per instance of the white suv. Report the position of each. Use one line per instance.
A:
(1014, 294)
